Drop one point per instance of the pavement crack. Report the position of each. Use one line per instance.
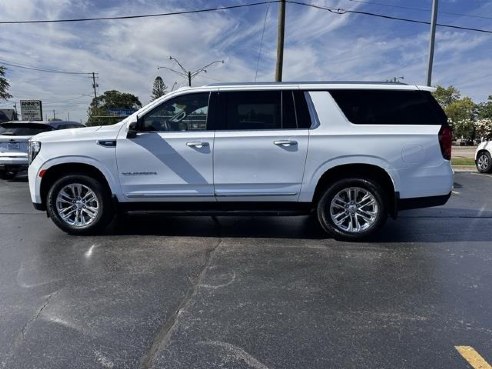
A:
(37, 314)
(22, 334)
(164, 334)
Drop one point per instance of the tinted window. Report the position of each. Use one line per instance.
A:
(302, 111)
(23, 129)
(260, 110)
(182, 113)
(389, 107)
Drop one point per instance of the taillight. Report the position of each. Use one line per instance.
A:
(445, 141)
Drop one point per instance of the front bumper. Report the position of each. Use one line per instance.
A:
(38, 206)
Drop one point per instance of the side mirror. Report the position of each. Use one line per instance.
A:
(132, 130)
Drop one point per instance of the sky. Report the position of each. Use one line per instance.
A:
(319, 46)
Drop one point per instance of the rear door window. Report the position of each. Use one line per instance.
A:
(389, 107)
(263, 110)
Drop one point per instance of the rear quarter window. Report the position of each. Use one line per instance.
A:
(389, 107)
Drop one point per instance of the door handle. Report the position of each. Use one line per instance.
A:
(285, 143)
(197, 144)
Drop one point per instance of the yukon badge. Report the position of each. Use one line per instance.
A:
(139, 173)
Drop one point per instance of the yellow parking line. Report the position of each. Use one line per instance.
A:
(473, 357)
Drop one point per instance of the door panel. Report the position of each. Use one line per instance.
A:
(165, 166)
(259, 154)
(259, 165)
(170, 159)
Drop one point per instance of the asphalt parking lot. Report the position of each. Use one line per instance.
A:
(247, 292)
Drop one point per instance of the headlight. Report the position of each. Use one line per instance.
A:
(33, 150)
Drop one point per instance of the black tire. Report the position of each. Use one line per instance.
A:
(79, 204)
(352, 209)
(484, 162)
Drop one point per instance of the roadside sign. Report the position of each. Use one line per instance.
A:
(31, 109)
(121, 112)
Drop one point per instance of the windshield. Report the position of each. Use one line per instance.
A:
(23, 129)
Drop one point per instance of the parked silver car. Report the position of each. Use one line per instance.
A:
(14, 136)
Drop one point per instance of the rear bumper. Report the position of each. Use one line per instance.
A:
(13, 163)
(422, 202)
(13, 168)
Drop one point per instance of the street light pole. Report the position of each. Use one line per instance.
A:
(432, 40)
(189, 74)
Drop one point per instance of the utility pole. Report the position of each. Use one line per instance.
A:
(94, 84)
(280, 41)
(432, 40)
(189, 74)
(54, 114)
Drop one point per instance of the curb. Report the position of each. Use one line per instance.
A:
(464, 168)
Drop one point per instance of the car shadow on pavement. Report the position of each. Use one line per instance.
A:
(296, 227)
(439, 225)
(17, 178)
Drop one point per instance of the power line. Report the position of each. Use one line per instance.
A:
(40, 69)
(340, 11)
(418, 9)
(141, 15)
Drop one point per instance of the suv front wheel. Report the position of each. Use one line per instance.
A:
(79, 204)
(352, 209)
(484, 162)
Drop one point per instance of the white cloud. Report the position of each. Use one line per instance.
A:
(319, 46)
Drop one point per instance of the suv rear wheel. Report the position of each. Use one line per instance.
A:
(352, 209)
(79, 204)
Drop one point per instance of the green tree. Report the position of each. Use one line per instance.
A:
(464, 128)
(446, 95)
(4, 85)
(484, 109)
(461, 109)
(159, 89)
(462, 114)
(100, 108)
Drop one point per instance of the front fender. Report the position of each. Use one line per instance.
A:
(35, 180)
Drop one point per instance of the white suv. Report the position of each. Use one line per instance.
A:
(483, 158)
(353, 153)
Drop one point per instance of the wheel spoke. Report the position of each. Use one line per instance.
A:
(90, 211)
(65, 194)
(355, 221)
(341, 221)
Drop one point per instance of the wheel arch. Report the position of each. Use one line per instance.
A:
(369, 171)
(480, 152)
(55, 172)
